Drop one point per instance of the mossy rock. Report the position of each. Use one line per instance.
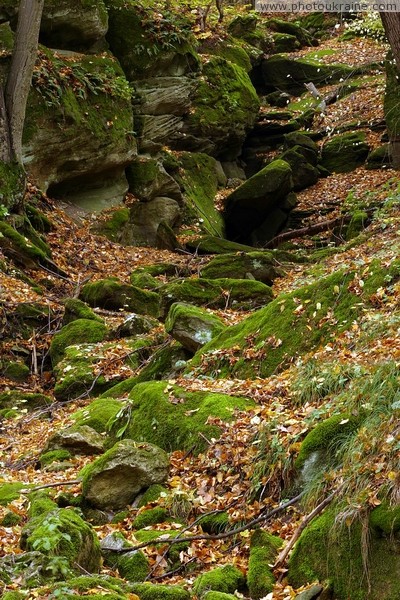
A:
(222, 114)
(91, 586)
(359, 221)
(51, 456)
(334, 551)
(40, 503)
(227, 579)
(98, 413)
(241, 294)
(263, 551)
(115, 479)
(78, 439)
(144, 280)
(290, 74)
(214, 523)
(260, 266)
(252, 203)
(379, 158)
(281, 330)
(285, 42)
(150, 517)
(169, 416)
(113, 227)
(62, 532)
(344, 152)
(192, 326)
(218, 596)
(77, 372)
(12, 184)
(76, 309)
(10, 519)
(290, 28)
(135, 325)
(157, 591)
(87, 331)
(198, 179)
(230, 49)
(304, 173)
(209, 244)
(15, 370)
(10, 492)
(152, 494)
(29, 400)
(132, 566)
(114, 295)
(19, 248)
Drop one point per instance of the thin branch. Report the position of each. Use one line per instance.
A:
(49, 485)
(219, 536)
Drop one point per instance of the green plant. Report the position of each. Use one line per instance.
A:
(315, 381)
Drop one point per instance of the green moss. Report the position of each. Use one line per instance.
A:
(113, 295)
(12, 185)
(357, 224)
(344, 152)
(112, 227)
(263, 550)
(225, 579)
(154, 591)
(92, 584)
(98, 413)
(216, 293)
(76, 309)
(226, 111)
(23, 248)
(192, 326)
(392, 99)
(260, 265)
(62, 532)
(78, 331)
(230, 49)
(150, 517)
(10, 519)
(199, 183)
(291, 325)
(16, 371)
(10, 492)
(144, 280)
(170, 417)
(13, 596)
(214, 523)
(40, 503)
(54, 456)
(133, 566)
(152, 494)
(331, 550)
(209, 244)
(326, 436)
(386, 519)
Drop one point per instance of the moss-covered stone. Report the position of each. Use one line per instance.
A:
(291, 325)
(222, 114)
(209, 244)
(358, 223)
(290, 74)
(12, 185)
(263, 550)
(379, 158)
(252, 203)
(332, 550)
(19, 248)
(214, 523)
(86, 331)
(47, 458)
(192, 326)
(304, 172)
(76, 309)
(150, 517)
(15, 370)
(230, 49)
(113, 295)
(10, 492)
(216, 293)
(10, 519)
(155, 591)
(172, 418)
(62, 532)
(77, 372)
(40, 503)
(260, 266)
(94, 585)
(113, 226)
(97, 414)
(199, 182)
(344, 152)
(116, 478)
(29, 400)
(218, 596)
(326, 436)
(225, 579)
(152, 494)
(132, 566)
(78, 439)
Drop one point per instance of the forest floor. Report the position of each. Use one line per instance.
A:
(85, 256)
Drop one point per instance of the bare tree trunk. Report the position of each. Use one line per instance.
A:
(391, 24)
(6, 154)
(20, 75)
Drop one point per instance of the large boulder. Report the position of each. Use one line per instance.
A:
(148, 179)
(173, 418)
(252, 203)
(73, 25)
(78, 440)
(113, 295)
(115, 479)
(224, 108)
(145, 219)
(78, 129)
(192, 326)
(344, 152)
(261, 266)
(79, 331)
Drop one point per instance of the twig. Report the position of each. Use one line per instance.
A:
(48, 485)
(304, 522)
(219, 536)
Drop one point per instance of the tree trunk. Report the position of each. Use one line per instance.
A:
(20, 75)
(391, 24)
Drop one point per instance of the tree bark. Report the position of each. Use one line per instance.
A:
(20, 75)
(391, 25)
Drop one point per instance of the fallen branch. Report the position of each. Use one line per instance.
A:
(310, 230)
(304, 522)
(218, 536)
(48, 485)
